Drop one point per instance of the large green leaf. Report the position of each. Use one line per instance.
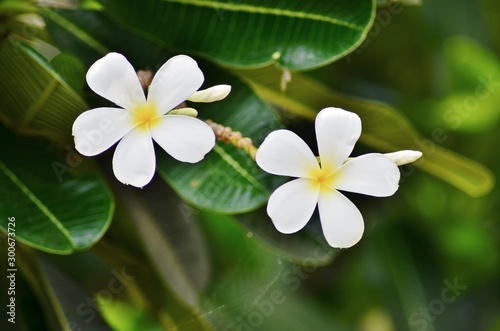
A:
(34, 98)
(306, 247)
(384, 128)
(227, 180)
(54, 210)
(296, 34)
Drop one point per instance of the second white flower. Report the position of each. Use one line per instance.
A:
(292, 204)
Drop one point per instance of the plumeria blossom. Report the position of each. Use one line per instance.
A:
(318, 182)
(139, 121)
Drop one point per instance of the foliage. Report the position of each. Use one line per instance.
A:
(195, 249)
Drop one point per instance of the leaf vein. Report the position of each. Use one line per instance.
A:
(31, 196)
(239, 7)
(236, 166)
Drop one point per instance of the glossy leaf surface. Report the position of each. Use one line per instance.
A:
(54, 210)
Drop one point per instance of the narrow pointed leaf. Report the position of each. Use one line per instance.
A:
(63, 298)
(70, 69)
(55, 211)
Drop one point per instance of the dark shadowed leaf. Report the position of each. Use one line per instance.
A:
(227, 180)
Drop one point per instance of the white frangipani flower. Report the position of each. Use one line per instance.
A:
(292, 204)
(141, 120)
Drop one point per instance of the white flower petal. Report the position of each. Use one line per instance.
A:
(341, 220)
(292, 205)
(403, 157)
(284, 153)
(211, 94)
(337, 131)
(114, 78)
(174, 82)
(134, 160)
(185, 138)
(370, 174)
(98, 129)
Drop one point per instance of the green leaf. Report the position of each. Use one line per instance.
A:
(91, 35)
(386, 3)
(171, 238)
(304, 247)
(54, 210)
(70, 69)
(258, 284)
(384, 128)
(63, 298)
(295, 34)
(16, 7)
(227, 180)
(35, 100)
(464, 111)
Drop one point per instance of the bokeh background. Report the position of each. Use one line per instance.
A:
(429, 258)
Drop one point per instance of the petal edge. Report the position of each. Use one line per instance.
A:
(175, 81)
(337, 131)
(292, 204)
(115, 79)
(341, 221)
(134, 161)
(286, 154)
(96, 130)
(185, 138)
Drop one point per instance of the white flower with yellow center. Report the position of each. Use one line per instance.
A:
(141, 120)
(292, 204)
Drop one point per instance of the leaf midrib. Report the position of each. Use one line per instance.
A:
(236, 166)
(79, 33)
(241, 7)
(39, 204)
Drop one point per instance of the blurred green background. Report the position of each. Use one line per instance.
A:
(429, 258)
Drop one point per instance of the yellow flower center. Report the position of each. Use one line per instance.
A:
(146, 115)
(322, 178)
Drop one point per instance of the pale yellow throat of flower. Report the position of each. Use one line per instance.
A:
(322, 178)
(146, 116)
